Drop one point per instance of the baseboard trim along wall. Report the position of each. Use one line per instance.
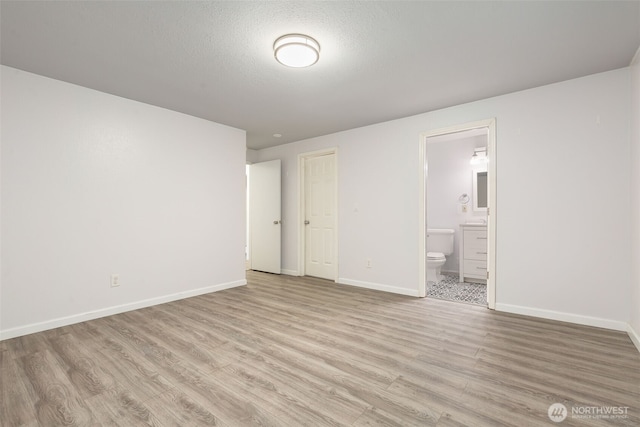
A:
(289, 272)
(564, 317)
(379, 287)
(634, 335)
(90, 315)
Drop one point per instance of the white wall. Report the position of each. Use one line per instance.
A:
(562, 196)
(375, 175)
(94, 184)
(252, 156)
(635, 200)
(449, 176)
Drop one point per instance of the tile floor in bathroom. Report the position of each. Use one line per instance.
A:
(449, 289)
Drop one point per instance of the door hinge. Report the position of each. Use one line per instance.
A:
(487, 275)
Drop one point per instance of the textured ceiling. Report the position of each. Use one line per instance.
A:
(379, 60)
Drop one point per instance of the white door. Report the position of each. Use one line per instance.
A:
(320, 216)
(264, 216)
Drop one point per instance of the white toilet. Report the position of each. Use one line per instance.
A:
(439, 245)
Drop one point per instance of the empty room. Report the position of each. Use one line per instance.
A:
(311, 213)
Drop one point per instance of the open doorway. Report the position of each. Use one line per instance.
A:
(458, 194)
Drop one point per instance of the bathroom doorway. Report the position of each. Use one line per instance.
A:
(458, 192)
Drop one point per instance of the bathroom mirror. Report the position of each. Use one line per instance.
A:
(480, 198)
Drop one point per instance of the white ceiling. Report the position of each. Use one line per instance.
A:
(379, 60)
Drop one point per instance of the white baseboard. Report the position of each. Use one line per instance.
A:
(634, 335)
(564, 317)
(379, 287)
(90, 315)
(289, 272)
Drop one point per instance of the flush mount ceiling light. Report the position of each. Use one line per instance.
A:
(296, 50)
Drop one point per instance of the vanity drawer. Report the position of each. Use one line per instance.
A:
(476, 253)
(473, 268)
(475, 239)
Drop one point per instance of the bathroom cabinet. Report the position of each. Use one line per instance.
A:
(473, 253)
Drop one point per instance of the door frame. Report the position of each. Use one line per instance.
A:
(490, 124)
(247, 239)
(302, 210)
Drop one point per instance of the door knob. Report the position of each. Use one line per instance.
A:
(306, 222)
(276, 222)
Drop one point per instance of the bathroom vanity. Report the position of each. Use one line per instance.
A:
(473, 253)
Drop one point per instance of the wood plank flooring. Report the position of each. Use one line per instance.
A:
(288, 351)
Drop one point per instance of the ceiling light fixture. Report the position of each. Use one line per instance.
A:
(296, 50)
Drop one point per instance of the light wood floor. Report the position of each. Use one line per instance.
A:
(286, 351)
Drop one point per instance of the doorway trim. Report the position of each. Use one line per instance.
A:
(247, 239)
(490, 124)
(301, 208)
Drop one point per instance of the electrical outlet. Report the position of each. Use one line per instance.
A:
(115, 280)
(368, 263)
